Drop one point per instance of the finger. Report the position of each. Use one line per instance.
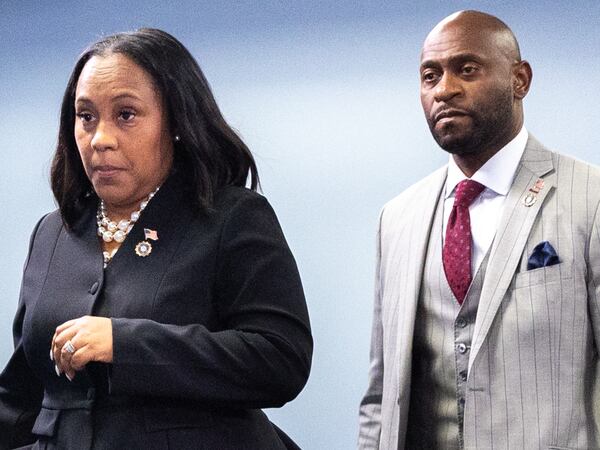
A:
(80, 358)
(56, 352)
(56, 357)
(52, 358)
(66, 353)
(63, 361)
(59, 340)
(70, 374)
(78, 361)
(64, 326)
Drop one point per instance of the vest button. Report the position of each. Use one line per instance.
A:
(463, 375)
(462, 348)
(461, 323)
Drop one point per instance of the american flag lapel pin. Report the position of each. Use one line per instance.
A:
(531, 196)
(150, 234)
(144, 248)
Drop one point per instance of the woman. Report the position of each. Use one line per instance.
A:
(160, 305)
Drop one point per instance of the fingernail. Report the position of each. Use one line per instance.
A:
(51, 355)
(68, 377)
(57, 370)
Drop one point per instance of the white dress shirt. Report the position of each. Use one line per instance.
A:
(497, 176)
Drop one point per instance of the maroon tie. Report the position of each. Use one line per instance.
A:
(457, 246)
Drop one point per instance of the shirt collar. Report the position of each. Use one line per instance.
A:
(498, 172)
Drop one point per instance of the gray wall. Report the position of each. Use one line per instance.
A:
(326, 95)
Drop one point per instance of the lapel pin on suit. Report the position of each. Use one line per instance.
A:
(144, 248)
(531, 197)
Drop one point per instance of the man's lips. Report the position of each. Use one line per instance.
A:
(448, 114)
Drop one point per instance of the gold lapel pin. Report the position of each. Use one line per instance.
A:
(531, 197)
(144, 248)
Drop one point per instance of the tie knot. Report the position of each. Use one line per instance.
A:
(466, 192)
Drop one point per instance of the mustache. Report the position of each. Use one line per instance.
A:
(448, 112)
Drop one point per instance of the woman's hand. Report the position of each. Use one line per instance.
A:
(80, 341)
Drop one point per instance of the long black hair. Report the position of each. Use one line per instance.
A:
(208, 154)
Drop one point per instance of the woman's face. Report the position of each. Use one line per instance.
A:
(121, 131)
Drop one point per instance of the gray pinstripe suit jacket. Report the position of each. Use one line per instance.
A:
(533, 378)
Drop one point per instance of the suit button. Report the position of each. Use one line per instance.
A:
(461, 323)
(462, 348)
(94, 288)
(91, 394)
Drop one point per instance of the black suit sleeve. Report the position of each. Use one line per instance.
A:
(20, 390)
(261, 358)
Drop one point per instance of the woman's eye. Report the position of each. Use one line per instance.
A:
(127, 115)
(85, 117)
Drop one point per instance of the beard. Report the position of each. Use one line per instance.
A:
(490, 122)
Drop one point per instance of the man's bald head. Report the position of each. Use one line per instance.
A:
(477, 23)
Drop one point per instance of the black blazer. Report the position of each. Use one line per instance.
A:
(207, 329)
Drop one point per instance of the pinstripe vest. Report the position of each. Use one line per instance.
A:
(441, 346)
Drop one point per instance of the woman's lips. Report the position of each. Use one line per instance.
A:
(107, 171)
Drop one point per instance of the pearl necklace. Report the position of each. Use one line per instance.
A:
(109, 230)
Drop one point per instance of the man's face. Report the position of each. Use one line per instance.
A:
(466, 88)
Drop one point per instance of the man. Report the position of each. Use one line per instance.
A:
(487, 303)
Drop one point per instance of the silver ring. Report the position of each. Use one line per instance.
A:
(69, 347)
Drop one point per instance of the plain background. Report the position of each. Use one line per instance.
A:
(326, 95)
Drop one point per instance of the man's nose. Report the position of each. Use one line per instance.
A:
(104, 138)
(448, 87)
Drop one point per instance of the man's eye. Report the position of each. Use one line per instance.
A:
(469, 70)
(428, 77)
(127, 115)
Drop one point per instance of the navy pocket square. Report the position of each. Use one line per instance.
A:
(543, 255)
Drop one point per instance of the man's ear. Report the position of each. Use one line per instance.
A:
(522, 75)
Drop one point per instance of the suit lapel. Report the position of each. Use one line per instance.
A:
(421, 232)
(512, 234)
(411, 251)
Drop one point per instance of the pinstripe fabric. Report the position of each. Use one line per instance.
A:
(533, 369)
(440, 364)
